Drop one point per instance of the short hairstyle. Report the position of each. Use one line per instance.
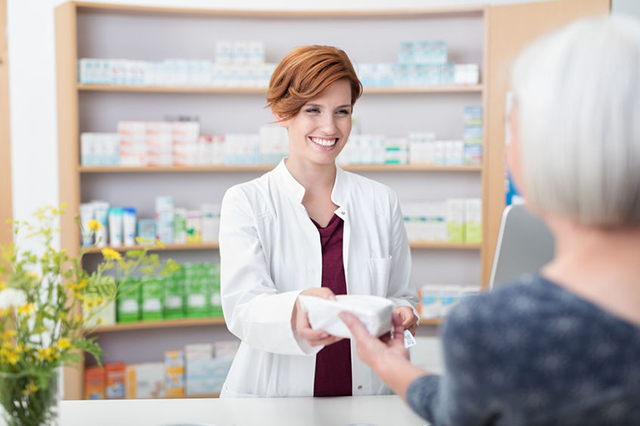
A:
(578, 97)
(306, 73)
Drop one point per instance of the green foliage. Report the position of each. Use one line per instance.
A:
(47, 301)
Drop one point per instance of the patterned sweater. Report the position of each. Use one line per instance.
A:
(533, 353)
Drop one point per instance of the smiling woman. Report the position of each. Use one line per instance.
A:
(308, 227)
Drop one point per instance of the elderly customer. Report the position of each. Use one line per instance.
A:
(562, 346)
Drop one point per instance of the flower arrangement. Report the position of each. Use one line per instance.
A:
(47, 301)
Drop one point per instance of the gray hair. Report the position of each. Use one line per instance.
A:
(578, 97)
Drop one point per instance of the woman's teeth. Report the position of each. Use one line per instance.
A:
(325, 142)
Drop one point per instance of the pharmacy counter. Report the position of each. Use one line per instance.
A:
(342, 411)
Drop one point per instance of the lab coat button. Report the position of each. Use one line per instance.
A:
(360, 387)
(343, 212)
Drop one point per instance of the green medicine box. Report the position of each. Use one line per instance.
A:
(174, 297)
(196, 290)
(128, 301)
(152, 292)
(213, 279)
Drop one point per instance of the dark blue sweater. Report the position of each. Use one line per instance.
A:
(533, 353)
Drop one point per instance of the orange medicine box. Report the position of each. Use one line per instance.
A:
(94, 383)
(174, 373)
(115, 380)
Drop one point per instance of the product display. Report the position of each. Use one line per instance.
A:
(437, 300)
(456, 220)
(374, 312)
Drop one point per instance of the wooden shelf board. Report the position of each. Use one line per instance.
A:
(261, 90)
(446, 246)
(144, 325)
(215, 246)
(264, 168)
(431, 321)
(166, 247)
(292, 14)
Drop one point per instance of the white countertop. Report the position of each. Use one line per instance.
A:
(339, 411)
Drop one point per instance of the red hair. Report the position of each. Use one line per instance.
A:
(306, 73)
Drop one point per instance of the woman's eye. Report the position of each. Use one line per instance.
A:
(343, 112)
(313, 110)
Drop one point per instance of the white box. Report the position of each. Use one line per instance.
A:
(145, 381)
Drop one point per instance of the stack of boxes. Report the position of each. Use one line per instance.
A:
(160, 143)
(207, 367)
(179, 143)
(198, 370)
(437, 300)
(174, 363)
(191, 292)
(145, 381)
(473, 135)
(185, 143)
(133, 146)
(164, 219)
(420, 63)
(455, 220)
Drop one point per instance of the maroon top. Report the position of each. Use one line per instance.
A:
(333, 362)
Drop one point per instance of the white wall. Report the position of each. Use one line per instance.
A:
(34, 148)
(630, 7)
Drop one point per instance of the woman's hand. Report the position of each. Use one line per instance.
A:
(409, 320)
(387, 357)
(300, 320)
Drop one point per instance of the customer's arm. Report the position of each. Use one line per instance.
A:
(389, 359)
(462, 397)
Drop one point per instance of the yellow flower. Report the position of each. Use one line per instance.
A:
(77, 318)
(47, 354)
(30, 389)
(3, 285)
(27, 309)
(7, 345)
(63, 344)
(62, 316)
(94, 225)
(20, 349)
(13, 358)
(34, 275)
(8, 334)
(4, 312)
(100, 321)
(110, 254)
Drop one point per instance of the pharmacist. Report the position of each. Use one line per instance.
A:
(308, 227)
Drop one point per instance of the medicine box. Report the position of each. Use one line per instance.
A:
(473, 220)
(128, 301)
(174, 297)
(152, 299)
(145, 381)
(174, 367)
(115, 378)
(94, 386)
(455, 220)
(197, 293)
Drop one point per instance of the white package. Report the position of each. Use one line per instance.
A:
(373, 311)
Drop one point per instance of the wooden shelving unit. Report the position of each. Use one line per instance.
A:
(72, 119)
(266, 168)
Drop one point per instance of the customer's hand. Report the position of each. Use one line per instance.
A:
(300, 320)
(387, 357)
(409, 319)
(373, 351)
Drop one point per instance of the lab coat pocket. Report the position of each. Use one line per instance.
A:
(380, 270)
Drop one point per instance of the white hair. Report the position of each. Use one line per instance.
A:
(578, 97)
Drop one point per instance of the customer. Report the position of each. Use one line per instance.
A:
(561, 347)
(307, 227)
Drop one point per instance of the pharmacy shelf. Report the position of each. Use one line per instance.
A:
(431, 321)
(215, 246)
(476, 88)
(152, 247)
(265, 168)
(444, 246)
(143, 325)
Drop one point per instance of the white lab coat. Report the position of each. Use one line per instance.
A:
(270, 251)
